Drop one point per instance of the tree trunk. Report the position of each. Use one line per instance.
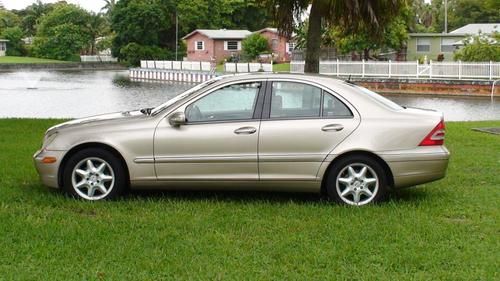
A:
(313, 43)
(366, 53)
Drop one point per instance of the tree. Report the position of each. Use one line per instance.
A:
(480, 48)
(254, 45)
(63, 33)
(32, 14)
(109, 6)
(8, 19)
(15, 46)
(145, 23)
(97, 26)
(463, 12)
(351, 15)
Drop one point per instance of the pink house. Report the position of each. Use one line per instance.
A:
(209, 44)
(217, 45)
(280, 45)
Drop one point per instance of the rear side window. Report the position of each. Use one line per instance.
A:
(334, 108)
(292, 100)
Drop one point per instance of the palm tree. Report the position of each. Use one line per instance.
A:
(349, 14)
(108, 6)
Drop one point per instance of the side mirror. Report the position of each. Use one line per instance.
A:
(177, 119)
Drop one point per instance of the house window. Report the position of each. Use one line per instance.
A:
(232, 45)
(2, 46)
(291, 47)
(199, 45)
(274, 44)
(423, 45)
(447, 45)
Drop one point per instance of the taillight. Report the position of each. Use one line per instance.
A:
(436, 136)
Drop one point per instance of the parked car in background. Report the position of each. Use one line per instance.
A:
(284, 132)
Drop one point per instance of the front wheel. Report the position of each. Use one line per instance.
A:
(94, 174)
(357, 180)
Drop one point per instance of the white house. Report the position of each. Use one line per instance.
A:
(3, 47)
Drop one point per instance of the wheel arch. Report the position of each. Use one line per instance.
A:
(81, 146)
(385, 166)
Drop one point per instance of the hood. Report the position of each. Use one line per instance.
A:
(98, 119)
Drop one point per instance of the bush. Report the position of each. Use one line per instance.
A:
(479, 48)
(15, 46)
(63, 33)
(133, 53)
(254, 45)
(65, 44)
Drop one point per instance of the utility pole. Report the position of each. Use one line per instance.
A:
(445, 16)
(176, 34)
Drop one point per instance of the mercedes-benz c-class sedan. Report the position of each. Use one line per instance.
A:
(280, 132)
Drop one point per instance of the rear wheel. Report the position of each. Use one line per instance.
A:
(357, 180)
(94, 174)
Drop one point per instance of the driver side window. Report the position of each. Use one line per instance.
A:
(233, 102)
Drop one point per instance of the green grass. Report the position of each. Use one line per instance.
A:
(446, 230)
(24, 60)
(281, 67)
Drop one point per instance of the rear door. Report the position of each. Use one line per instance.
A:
(301, 124)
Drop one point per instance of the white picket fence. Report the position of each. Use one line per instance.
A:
(104, 58)
(432, 70)
(177, 65)
(247, 67)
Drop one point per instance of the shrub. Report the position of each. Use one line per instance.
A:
(133, 53)
(479, 48)
(254, 45)
(15, 46)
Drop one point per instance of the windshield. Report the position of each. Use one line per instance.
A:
(183, 95)
(380, 99)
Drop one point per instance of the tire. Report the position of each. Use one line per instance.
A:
(352, 187)
(104, 179)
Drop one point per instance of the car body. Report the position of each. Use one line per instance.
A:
(281, 132)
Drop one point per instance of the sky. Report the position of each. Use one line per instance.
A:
(91, 5)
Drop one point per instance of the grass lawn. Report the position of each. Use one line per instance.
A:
(281, 67)
(447, 230)
(20, 60)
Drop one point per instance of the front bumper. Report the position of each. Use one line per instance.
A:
(417, 166)
(48, 172)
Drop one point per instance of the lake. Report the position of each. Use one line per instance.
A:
(72, 94)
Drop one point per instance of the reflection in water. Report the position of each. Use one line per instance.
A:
(70, 94)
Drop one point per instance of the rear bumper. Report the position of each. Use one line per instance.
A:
(48, 172)
(417, 166)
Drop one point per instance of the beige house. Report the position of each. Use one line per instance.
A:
(3, 47)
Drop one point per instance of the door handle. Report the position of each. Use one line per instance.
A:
(332, 127)
(245, 131)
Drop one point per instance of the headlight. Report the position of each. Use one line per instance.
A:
(48, 139)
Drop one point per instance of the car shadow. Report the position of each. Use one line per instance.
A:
(408, 195)
(230, 196)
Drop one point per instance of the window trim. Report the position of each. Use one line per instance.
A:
(226, 45)
(416, 45)
(257, 112)
(266, 113)
(202, 45)
(441, 45)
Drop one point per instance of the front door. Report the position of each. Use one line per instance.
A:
(301, 124)
(219, 140)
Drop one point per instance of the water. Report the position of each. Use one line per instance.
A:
(71, 94)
